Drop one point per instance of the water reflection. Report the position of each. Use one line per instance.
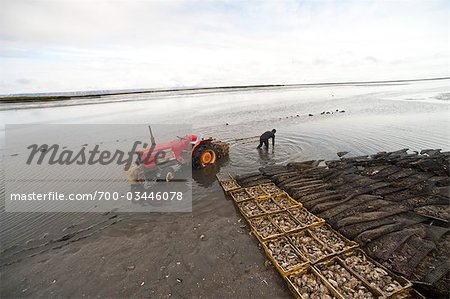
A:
(265, 156)
(205, 177)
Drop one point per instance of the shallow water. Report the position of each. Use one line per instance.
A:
(377, 117)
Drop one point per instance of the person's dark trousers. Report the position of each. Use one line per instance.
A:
(265, 142)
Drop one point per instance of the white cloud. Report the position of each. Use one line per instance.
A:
(80, 45)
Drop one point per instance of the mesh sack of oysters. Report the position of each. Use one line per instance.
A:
(310, 286)
(284, 254)
(270, 188)
(250, 208)
(344, 282)
(269, 206)
(372, 273)
(332, 239)
(255, 191)
(309, 246)
(284, 201)
(264, 227)
(240, 195)
(304, 217)
(228, 185)
(284, 221)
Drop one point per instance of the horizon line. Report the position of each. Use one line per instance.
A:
(90, 93)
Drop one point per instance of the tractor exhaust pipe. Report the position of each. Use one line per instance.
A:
(152, 139)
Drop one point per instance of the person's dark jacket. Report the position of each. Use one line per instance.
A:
(266, 136)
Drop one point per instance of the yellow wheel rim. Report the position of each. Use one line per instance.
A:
(208, 157)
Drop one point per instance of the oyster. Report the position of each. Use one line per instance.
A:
(240, 195)
(309, 247)
(284, 201)
(250, 208)
(331, 239)
(264, 227)
(284, 221)
(269, 206)
(344, 282)
(270, 189)
(373, 274)
(310, 286)
(255, 191)
(284, 254)
(304, 217)
(403, 296)
(229, 185)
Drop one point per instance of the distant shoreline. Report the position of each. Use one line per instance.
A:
(60, 96)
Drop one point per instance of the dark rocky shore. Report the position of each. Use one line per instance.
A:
(394, 204)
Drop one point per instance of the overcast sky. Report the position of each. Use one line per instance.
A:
(89, 45)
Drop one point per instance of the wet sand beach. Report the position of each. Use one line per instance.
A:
(206, 254)
(165, 255)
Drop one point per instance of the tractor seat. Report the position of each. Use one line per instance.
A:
(194, 141)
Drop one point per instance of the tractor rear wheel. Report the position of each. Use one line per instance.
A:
(204, 155)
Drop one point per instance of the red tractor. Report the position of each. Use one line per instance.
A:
(162, 161)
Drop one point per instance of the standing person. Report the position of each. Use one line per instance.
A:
(264, 139)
